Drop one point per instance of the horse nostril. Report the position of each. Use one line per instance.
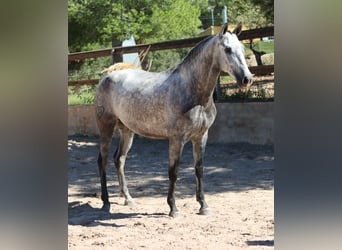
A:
(246, 80)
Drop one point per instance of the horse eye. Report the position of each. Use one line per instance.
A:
(228, 50)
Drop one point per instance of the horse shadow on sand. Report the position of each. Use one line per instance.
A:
(227, 167)
(231, 167)
(86, 215)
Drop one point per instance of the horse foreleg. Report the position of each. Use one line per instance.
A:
(126, 139)
(198, 145)
(175, 151)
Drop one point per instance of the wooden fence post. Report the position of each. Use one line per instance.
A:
(116, 57)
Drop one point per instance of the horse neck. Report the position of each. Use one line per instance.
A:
(202, 71)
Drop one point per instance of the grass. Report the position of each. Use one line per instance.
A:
(74, 100)
(81, 95)
(266, 46)
(85, 98)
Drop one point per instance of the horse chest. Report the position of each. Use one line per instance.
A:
(199, 118)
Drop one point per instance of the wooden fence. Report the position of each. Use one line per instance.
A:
(183, 43)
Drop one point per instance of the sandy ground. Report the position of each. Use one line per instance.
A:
(238, 182)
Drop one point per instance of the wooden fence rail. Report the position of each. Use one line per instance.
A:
(183, 43)
(256, 70)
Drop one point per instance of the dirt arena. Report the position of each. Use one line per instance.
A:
(238, 184)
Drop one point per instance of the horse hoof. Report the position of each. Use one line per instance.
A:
(175, 214)
(105, 207)
(129, 203)
(205, 211)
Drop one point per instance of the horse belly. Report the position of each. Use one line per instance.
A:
(147, 129)
(146, 124)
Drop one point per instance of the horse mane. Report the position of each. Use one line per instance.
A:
(195, 51)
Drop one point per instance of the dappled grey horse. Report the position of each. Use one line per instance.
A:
(176, 104)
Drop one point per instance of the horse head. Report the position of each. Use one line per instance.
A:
(232, 56)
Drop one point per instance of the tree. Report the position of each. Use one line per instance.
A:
(266, 7)
(98, 22)
(252, 13)
(85, 22)
(95, 24)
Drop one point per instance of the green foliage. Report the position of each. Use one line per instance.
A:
(89, 68)
(81, 95)
(267, 8)
(101, 21)
(178, 20)
(252, 13)
(162, 60)
(86, 22)
(95, 24)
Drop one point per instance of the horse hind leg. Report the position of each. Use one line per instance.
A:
(126, 140)
(106, 130)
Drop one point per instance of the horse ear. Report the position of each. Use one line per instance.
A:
(224, 29)
(238, 29)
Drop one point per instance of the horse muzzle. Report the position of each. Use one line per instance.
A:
(245, 82)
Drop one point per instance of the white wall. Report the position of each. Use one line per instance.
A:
(235, 122)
